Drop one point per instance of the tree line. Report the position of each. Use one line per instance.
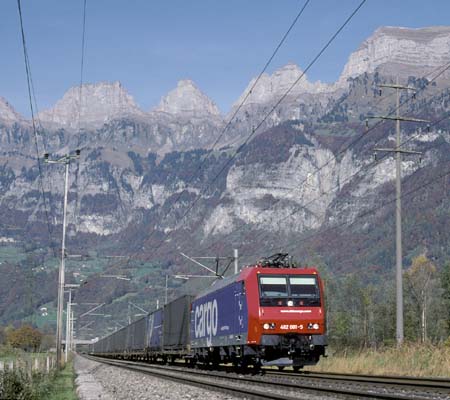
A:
(27, 338)
(361, 306)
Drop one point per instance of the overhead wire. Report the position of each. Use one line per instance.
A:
(321, 232)
(30, 96)
(241, 104)
(384, 243)
(273, 108)
(443, 68)
(80, 98)
(370, 211)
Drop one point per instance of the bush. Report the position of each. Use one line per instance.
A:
(18, 385)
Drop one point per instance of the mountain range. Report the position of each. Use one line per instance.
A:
(301, 179)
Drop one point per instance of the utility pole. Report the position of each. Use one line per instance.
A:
(398, 213)
(165, 292)
(68, 318)
(65, 160)
(69, 321)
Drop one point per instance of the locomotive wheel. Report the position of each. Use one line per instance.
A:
(240, 365)
(257, 368)
(297, 368)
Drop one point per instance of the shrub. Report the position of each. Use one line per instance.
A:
(18, 385)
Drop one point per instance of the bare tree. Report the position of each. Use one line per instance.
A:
(419, 278)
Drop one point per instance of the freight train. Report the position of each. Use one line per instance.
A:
(271, 313)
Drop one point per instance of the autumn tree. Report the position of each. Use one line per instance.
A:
(419, 279)
(26, 338)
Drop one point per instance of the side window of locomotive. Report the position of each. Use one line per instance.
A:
(273, 286)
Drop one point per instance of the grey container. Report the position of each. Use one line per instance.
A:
(136, 337)
(176, 324)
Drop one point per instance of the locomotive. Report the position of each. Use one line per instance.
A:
(269, 314)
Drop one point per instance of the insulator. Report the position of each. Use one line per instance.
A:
(380, 92)
(428, 128)
(367, 123)
(375, 158)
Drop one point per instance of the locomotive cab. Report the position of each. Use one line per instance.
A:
(287, 322)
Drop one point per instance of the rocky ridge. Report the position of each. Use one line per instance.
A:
(186, 113)
(100, 103)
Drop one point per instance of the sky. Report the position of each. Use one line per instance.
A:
(150, 45)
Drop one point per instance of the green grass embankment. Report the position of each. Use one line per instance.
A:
(63, 385)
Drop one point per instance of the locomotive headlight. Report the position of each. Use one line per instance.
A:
(266, 326)
(270, 325)
(316, 326)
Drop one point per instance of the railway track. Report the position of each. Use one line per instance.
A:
(407, 381)
(288, 386)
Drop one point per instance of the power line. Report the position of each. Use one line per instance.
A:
(228, 124)
(239, 149)
(345, 223)
(445, 68)
(80, 98)
(28, 74)
(360, 170)
(374, 162)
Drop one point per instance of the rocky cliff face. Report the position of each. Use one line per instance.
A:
(400, 50)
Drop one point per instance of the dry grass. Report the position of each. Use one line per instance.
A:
(409, 360)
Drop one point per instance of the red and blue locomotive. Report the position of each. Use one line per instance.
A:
(268, 314)
(271, 313)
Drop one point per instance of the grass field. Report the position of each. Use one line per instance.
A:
(410, 360)
(63, 386)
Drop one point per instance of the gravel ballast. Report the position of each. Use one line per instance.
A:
(99, 381)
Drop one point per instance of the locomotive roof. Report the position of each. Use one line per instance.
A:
(249, 270)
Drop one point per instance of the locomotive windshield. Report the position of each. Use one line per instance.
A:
(289, 290)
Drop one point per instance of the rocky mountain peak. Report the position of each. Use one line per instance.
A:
(187, 100)
(100, 102)
(271, 87)
(7, 112)
(400, 50)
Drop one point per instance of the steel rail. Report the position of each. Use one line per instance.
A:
(195, 377)
(422, 382)
(205, 383)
